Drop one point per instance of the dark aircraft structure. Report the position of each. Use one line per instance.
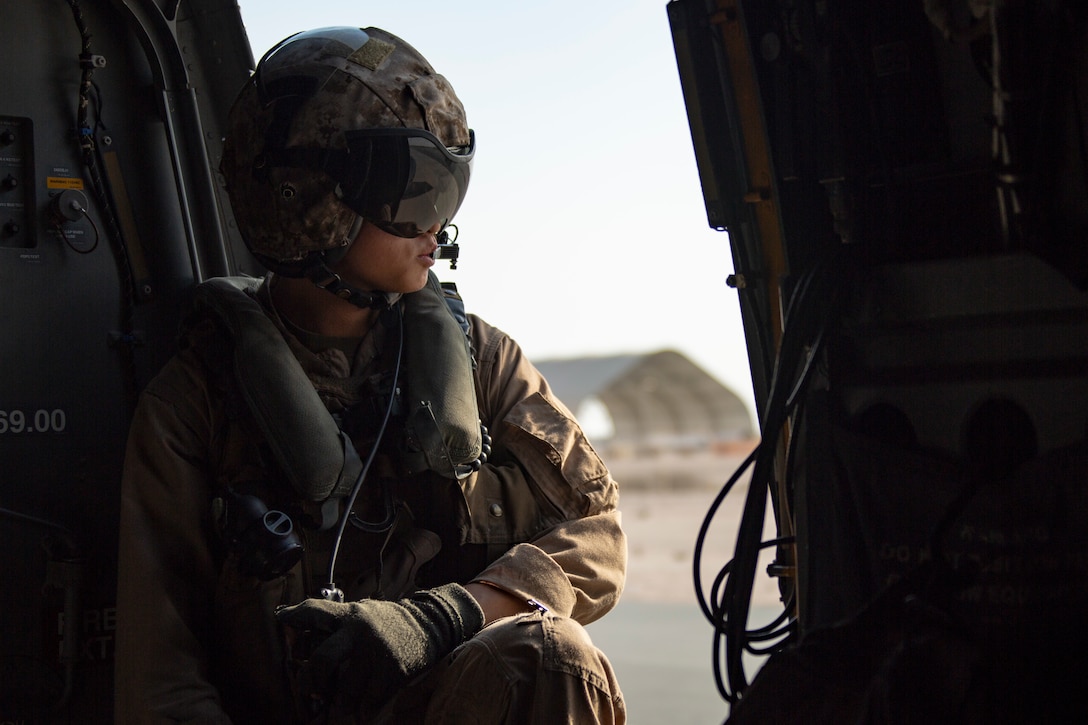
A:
(905, 189)
(111, 112)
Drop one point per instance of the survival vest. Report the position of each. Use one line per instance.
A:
(442, 423)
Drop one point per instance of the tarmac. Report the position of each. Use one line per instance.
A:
(657, 639)
(661, 653)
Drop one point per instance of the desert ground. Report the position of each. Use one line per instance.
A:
(664, 501)
(657, 639)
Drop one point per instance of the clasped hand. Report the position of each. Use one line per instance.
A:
(367, 650)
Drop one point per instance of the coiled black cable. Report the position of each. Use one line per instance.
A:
(806, 320)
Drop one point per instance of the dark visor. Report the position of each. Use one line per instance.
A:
(403, 179)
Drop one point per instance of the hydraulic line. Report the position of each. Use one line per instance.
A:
(89, 150)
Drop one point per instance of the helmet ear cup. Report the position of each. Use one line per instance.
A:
(264, 541)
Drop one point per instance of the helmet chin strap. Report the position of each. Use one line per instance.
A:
(322, 276)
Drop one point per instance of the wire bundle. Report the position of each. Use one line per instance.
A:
(728, 604)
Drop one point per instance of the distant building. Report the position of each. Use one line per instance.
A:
(648, 403)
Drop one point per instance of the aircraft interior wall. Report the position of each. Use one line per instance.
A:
(109, 212)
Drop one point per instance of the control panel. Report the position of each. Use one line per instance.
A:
(16, 182)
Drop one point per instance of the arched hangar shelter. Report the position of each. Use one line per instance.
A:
(650, 402)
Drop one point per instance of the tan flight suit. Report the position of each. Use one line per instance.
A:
(197, 641)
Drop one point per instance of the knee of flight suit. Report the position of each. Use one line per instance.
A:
(535, 667)
(529, 643)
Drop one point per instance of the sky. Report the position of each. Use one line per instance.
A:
(584, 231)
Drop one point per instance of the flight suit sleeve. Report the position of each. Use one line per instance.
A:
(166, 572)
(544, 495)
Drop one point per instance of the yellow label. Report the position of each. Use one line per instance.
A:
(63, 182)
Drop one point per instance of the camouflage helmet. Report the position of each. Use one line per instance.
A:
(335, 126)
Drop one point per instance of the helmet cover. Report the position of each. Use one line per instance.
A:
(309, 93)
